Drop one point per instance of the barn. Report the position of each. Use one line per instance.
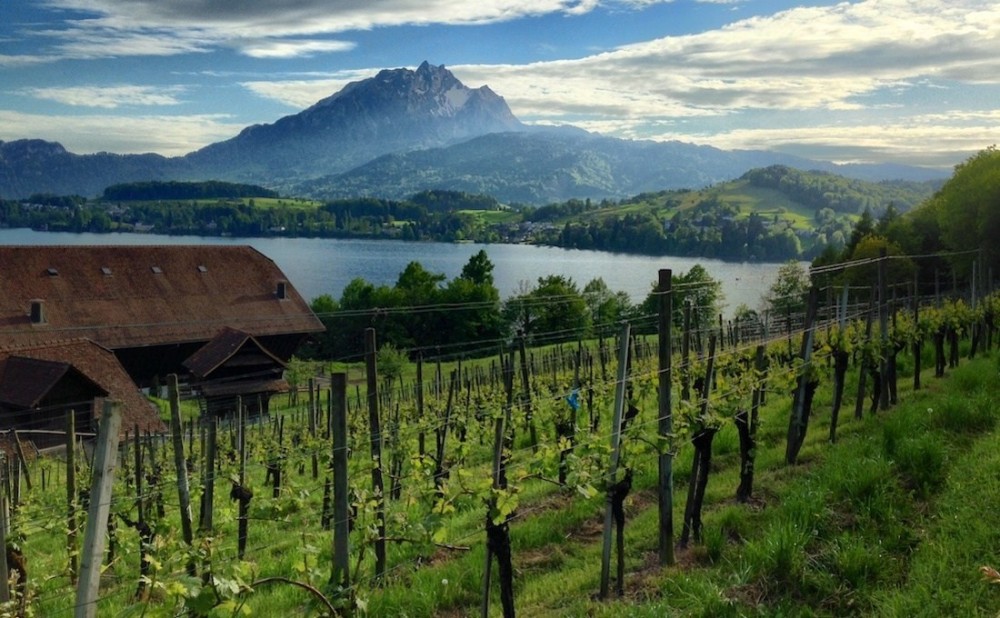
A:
(152, 308)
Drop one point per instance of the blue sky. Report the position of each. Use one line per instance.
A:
(906, 81)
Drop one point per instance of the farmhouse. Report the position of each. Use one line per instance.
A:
(153, 308)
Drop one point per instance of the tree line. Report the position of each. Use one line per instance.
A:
(422, 310)
(953, 230)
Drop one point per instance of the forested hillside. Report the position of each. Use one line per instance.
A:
(774, 213)
(770, 214)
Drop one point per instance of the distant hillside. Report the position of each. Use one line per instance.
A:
(545, 166)
(815, 190)
(34, 166)
(773, 213)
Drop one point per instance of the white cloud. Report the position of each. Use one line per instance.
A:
(107, 97)
(915, 143)
(809, 58)
(131, 27)
(166, 135)
(301, 93)
(11, 62)
(294, 48)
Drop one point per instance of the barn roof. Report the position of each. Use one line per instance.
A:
(223, 347)
(25, 381)
(95, 363)
(132, 296)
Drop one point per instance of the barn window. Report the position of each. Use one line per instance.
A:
(37, 312)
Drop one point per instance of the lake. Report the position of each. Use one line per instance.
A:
(325, 266)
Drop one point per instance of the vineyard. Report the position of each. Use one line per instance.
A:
(675, 467)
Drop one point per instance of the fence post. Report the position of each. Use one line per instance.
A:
(797, 423)
(616, 439)
(665, 421)
(883, 324)
(375, 433)
(183, 492)
(71, 496)
(100, 508)
(341, 575)
(4, 567)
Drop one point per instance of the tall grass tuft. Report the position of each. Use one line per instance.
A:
(958, 414)
(921, 463)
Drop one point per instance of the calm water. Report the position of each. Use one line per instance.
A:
(325, 266)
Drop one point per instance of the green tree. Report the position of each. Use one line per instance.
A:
(968, 210)
(606, 307)
(787, 295)
(479, 269)
(696, 285)
(554, 310)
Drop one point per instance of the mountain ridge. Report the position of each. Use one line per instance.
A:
(402, 131)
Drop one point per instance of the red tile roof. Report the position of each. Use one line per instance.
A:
(131, 296)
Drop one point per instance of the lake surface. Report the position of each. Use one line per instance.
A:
(325, 266)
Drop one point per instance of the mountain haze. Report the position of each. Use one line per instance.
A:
(403, 131)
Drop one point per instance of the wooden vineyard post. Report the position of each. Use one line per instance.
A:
(441, 437)
(883, 324)
(421, 436)
(22, 460)
(183, 492)
(100, 508)
(616, 426)
(665, 420)
(375, 433)
(859, 403)
(71, 496)
(241, 493)
(341, 574)
(529, 416)
(747, 428)
(206, 522)
(841, 360)
(4, 567)
(702, 458)
(917, 343)
(498, 534)
(799, 421)
(313, 414)
(140, 517)
(686, 353)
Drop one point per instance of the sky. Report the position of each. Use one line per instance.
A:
(915, 82)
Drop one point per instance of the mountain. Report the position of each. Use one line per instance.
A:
(404, 131)
(397, 110)
(543, 166)
(30, 166)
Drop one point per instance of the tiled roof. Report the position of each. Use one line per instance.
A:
(224, 347)
(24, 382)
(96, 363)
(131, 296)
